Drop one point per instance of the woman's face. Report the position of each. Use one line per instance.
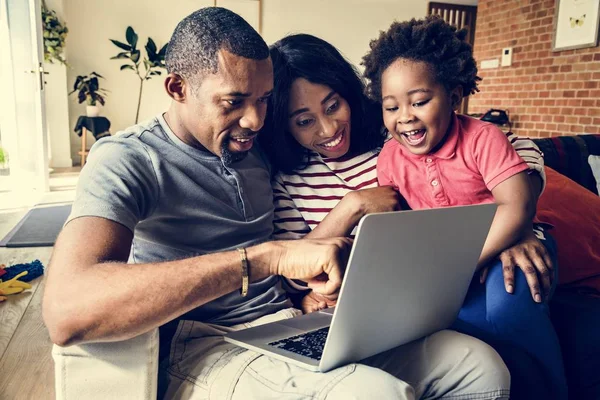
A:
(319, 118)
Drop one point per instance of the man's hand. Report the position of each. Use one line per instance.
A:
(531, 256)
(315, 302)
(318, 262)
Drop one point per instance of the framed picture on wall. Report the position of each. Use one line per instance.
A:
(575, 24)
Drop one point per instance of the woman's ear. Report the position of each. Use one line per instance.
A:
(175, 87)
(456, 96)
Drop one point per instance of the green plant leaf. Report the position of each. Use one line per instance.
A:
(135, 56)
(93, 85)
(131, 37)
(163, 51)
(151, 49)
(120, 56)
(77, 82)
(55, 31)
(126, 66)
(121, 45)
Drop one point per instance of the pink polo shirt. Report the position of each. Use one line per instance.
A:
(474, 159)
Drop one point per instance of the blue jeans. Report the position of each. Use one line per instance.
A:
(519, 329)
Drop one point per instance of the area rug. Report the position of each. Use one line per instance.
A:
(38, 228)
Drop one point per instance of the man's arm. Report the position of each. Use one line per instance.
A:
(92, 295)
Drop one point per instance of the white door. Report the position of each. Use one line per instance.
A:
(23, 125)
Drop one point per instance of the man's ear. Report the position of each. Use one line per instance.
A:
(175, 87)
(456, 96)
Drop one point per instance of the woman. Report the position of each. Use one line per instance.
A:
(323, 135)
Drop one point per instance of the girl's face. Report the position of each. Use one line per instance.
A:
(416, 109)
(319, 118)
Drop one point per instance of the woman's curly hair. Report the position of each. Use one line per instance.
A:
(430, 40)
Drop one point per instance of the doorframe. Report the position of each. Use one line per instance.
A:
(9, 122)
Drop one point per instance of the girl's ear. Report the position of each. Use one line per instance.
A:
(456, 96)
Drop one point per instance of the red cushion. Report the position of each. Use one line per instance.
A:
(575, 213)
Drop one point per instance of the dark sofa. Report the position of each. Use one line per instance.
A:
(575, 314)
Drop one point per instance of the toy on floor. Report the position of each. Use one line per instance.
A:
(13, 286)
(15, 277)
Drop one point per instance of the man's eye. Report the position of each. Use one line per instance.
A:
(234, 102)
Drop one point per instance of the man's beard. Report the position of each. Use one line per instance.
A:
(230, 157)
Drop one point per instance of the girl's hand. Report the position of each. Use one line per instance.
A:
(531, 256)
(378, 199)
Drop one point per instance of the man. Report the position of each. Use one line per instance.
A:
(185, 197)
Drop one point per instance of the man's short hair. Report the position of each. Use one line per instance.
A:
(195, 43)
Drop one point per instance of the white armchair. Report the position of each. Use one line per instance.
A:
(118, 370)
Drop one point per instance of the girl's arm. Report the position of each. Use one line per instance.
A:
(516, 208)
(354, 205)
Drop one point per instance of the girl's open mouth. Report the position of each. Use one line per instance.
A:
(415, 137)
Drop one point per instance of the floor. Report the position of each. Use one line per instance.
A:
(26, 366)
(62, 188)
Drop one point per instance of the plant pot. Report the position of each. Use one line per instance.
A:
(92, 111)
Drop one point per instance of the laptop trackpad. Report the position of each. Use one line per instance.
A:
(308, 322)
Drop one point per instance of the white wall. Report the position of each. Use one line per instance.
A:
(347, 24)
(57, 105)
(91, 24)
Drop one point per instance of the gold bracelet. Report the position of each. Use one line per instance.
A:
(244, 271)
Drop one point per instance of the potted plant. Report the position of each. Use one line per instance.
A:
(3, 161)
(152, 63)
(88, 89)
(54, 34)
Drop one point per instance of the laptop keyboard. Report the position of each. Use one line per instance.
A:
(309, 344)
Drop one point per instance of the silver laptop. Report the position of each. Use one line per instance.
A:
(407, 277)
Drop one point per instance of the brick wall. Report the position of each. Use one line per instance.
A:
(545, 93)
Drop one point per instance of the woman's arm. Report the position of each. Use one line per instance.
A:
(534, 158)
(288, 222)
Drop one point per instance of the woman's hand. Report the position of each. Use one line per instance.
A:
(378, 199)
(315, 302)
(531, 256)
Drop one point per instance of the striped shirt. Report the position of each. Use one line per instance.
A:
(304, 198)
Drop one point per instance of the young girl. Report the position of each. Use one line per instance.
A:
(420, 71)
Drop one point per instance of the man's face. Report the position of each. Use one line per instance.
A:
(224, 112)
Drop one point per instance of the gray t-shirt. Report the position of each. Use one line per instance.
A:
(182, 202)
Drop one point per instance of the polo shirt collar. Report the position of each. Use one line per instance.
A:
(448, 149)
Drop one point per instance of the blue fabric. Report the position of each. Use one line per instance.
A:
(577, 321)
(519, 329)
(34, 269)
